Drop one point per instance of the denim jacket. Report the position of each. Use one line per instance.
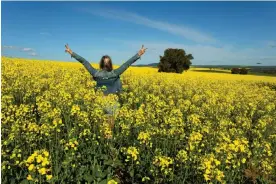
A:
(104, 78)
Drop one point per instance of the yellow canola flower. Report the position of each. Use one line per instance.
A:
(31, 167)
(46, 153)
(48, 177)
(112, 182)
(45, 162)
(29, 177)
(219, 175)
(189, 116)
(39, 158)
(182, 156)
(144, 137)
(133, 152)
(42, 171)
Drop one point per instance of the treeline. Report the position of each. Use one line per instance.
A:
(264, 70)
(253, 70)
(242, 71)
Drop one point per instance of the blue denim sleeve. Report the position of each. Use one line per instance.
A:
(85, 63)
(125, 66)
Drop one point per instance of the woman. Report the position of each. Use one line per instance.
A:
(106, 76)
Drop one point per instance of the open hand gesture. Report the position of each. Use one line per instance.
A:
(142, 51)
(68, 50)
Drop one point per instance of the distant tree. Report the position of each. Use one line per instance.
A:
(243, 71)
(175, 60)
(235, 71)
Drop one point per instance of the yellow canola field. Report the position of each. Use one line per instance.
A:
(195, 127)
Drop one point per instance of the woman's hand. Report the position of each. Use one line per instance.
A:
(68, 50)
(142, 51)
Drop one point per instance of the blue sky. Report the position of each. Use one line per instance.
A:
(214, 32)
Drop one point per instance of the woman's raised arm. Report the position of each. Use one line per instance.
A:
(85, 63)
(129, 62)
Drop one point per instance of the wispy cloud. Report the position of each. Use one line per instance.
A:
(33, 54)
(11, 47)
(181, 30)
(27, 49)
(203, 54)
(272, 44)
(45, 33)
(8, 47)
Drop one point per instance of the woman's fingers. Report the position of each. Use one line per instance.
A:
(143, 49)
(68, 50)
(67, 46)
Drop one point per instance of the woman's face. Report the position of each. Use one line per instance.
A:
(106, 61)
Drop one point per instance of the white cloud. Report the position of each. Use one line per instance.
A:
(207, 55)
(8, 47)
(184, 31)
(203, 50)
(24, 49)
(27, 49)
(33, 54)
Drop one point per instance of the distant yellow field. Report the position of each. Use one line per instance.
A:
(195, 127)
(192, 73)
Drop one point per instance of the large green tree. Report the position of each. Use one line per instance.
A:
(175, 60)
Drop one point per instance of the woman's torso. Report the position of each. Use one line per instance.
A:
(110, 80)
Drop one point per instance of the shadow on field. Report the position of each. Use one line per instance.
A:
(212, 71)
(262, 74)
(229, 72)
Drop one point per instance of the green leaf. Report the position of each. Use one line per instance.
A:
(131, 172)
(24, 182)
(12, 181)
(108, 162)
(98, 173)
(103, 181)
(57, 168)
(117, 180)
(104, 173)
(104, 157)
(88, 177)
(117, 163)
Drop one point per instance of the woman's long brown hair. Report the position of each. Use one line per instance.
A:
(103, 66)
